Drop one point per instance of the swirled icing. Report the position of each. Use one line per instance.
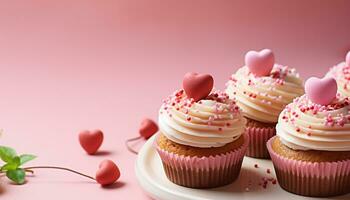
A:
(263, 98)
(210, 122)
(304, 125)
(341, 73)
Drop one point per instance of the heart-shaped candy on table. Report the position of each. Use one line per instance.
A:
(197, 86)
(347, 59)
(91, 140)
(321, 91)
(108, 173)
(260, 63)
(148, 128)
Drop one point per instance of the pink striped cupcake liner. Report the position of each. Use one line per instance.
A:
(315, 179)
(257, 141)
(203, 172)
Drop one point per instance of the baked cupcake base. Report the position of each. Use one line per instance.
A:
(212, 167)
(202, 178)
(259, 133)
(310, 173)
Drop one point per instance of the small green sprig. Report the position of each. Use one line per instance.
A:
(13, 163)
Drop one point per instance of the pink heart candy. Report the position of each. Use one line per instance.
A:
(197, 86)
(260, 63)
(321, 91)
(91, 140)
(347, 59)
(148, 128)
(108, 173)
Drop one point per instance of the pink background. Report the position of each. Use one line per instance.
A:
(71, 65)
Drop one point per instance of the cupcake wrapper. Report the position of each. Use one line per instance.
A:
(203, 172)
(257, 141)
(315, 179)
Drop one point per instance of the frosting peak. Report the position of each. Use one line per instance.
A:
(304, 125)
(211, 122)
(341, 73)
(263, 98)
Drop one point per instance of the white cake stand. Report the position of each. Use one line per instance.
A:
(151, 176)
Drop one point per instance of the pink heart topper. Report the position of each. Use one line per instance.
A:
(197, 86)
(108, 173)
(321, 91)
(260, 63)
(347, 59)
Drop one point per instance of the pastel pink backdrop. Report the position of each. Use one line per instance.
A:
(71, 65)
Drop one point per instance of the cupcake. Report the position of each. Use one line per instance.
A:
(262, 89)
(201, 141)
(341, 73)
(311, 152)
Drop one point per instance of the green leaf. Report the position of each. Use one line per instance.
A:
(9, 166)
(26, 158)
(14, 164)
(7, 154)
(16, 175)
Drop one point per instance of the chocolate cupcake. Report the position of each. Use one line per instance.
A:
(262, 89)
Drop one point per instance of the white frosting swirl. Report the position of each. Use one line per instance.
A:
(211, 122)
(341, 73)
(304, 125)
(263, 98)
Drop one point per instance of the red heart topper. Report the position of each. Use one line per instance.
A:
(321, 91)
(108, 173)
(197, 86)
(91, 140)
(260, 63)
(148, 128)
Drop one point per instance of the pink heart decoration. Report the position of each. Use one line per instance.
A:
(347, 59)
(148, 128)
(197, 86)
(260, 63)
(91, 140)
(108, 173)
(321, 91)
